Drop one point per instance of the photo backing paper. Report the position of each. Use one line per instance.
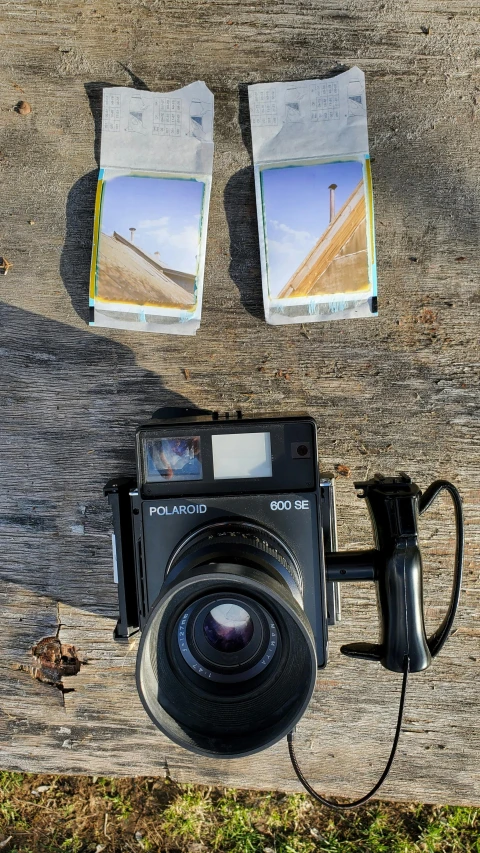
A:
(314, 199)
(151, 210)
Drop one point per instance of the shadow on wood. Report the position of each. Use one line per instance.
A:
(241, 213)
(77, 248)
(66, 434)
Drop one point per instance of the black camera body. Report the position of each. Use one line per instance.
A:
(226, 559)
(238, 506)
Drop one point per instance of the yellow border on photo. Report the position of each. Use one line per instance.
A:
(168, 309)
(96, 232)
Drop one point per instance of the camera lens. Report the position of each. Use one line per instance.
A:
(302, 450)
(234, 645)
(228, 627)
(226, 664)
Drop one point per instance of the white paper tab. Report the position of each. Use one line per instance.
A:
(309, 118)
(158, 131)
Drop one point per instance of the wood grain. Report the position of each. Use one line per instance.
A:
(395, 393)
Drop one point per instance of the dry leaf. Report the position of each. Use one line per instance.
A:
(23, 108)
(5, 266)
(283, 374)
(40, 790)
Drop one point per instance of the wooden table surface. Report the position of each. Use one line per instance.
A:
(399, 392)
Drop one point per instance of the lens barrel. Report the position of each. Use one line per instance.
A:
(227, 663)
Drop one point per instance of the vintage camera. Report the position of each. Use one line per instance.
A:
(220, 559)
(226, 559)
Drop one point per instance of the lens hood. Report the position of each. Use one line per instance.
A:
(227, 719)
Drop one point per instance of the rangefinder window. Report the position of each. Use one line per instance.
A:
(173, 459)
(241, 455)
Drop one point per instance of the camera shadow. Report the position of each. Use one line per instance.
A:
(71, 401)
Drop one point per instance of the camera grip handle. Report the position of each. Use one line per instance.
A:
(400, 594)
(400, 600)
(394, 506)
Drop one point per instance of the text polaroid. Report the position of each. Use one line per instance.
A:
(314, 199)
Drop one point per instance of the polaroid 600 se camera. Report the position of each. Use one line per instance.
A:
(226, 561)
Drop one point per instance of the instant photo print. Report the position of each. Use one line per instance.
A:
(314, 199)
(151, 209)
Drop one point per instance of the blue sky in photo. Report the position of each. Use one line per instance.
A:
(165, 211)
(296, 204)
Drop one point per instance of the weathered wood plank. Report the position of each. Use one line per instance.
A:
(396, 393)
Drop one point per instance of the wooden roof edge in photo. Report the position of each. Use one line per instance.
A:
(328, 246)
(167, 271)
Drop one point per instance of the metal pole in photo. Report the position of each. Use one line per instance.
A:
(332, 189)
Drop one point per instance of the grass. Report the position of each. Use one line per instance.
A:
(48, 814)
